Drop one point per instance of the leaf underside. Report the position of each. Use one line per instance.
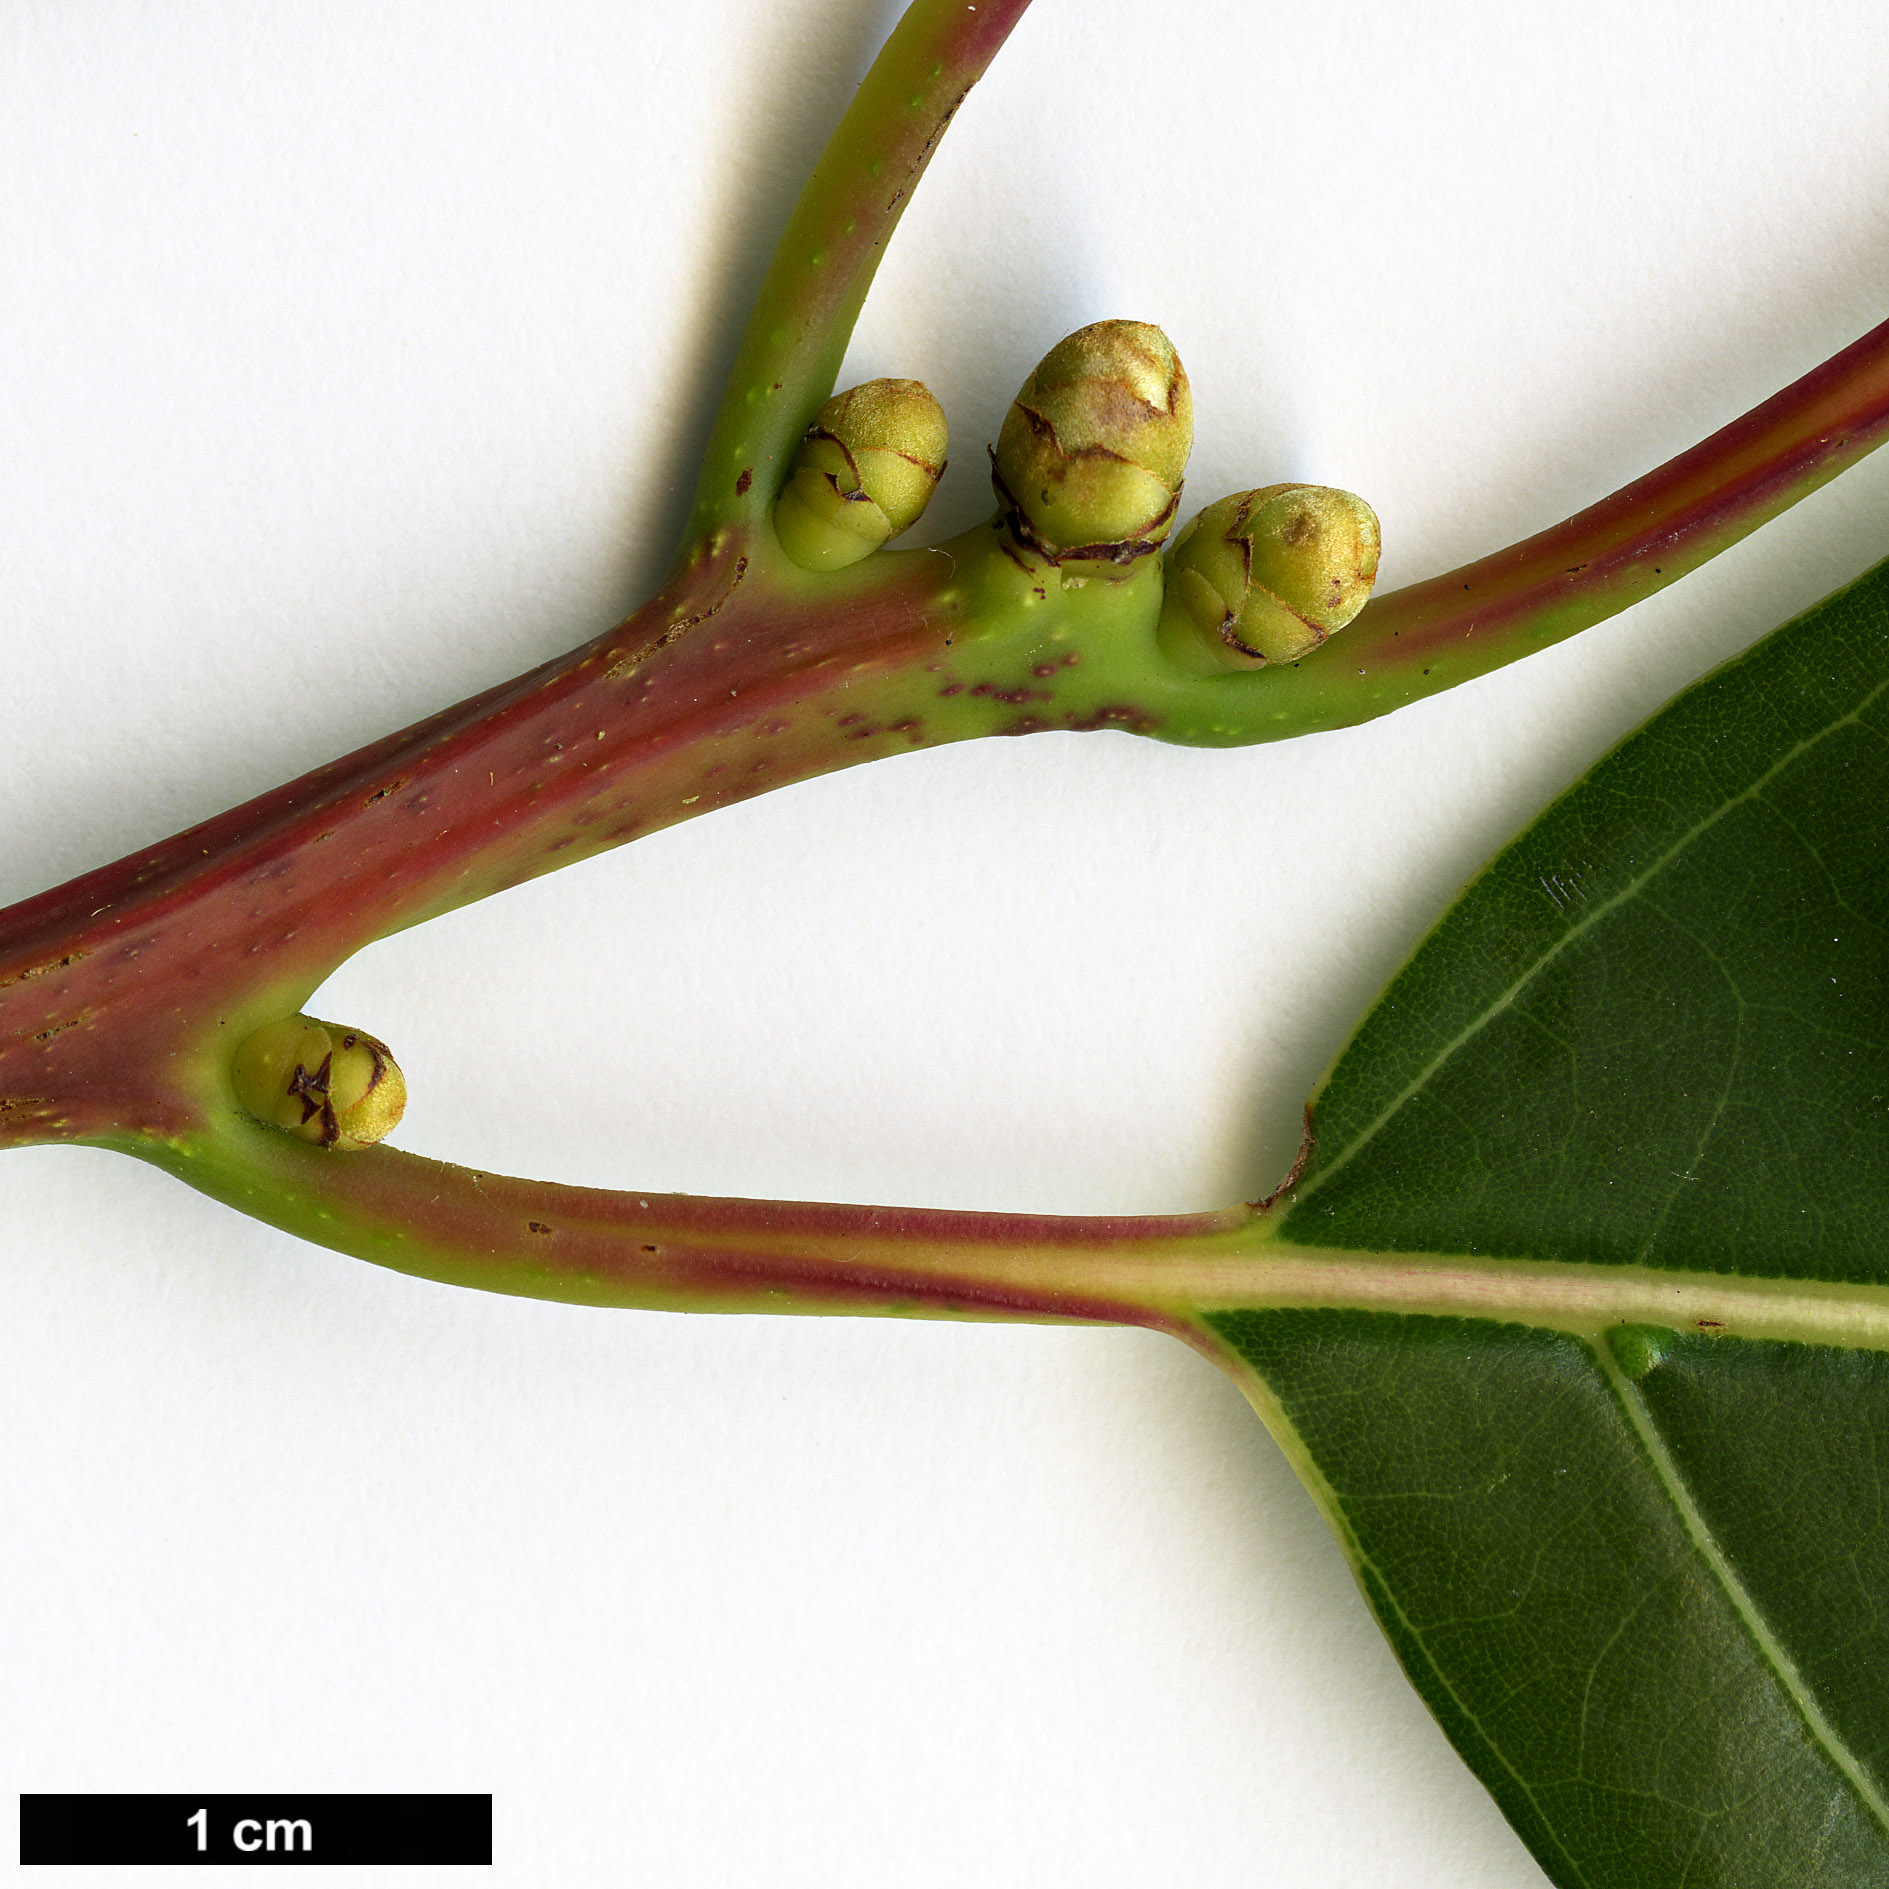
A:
(1640, 1575)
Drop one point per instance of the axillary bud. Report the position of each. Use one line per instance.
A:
(1089, 463)
(335, 1087)
(864, 472)
(1263, 577)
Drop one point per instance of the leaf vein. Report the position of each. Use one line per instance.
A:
(1726, 1089)
(1578, 929)
(1792, 1682)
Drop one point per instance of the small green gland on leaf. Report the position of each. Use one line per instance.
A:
(864, 473)
(1089, 462)
(1264, 577)
(338, 1088)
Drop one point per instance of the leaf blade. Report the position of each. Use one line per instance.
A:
(1634, 1571)
(1512, 1534)
(1751, 1426)
(1690, 898)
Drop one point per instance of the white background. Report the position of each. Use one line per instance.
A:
(353, 355)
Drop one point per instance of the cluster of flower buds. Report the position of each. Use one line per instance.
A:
(1088, 468)
(1088, 465)
(1266, 576)
(864, 473)
(337, 1088)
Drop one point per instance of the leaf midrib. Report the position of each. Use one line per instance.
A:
(1585, 1300)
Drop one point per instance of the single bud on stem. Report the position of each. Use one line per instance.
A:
(337, 1088)
(1266, 576)
(864, 473)
(1089, 462)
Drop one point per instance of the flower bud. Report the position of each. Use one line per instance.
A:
(865, 471)
(337, 1088)
(1089, 462)
(1266, 576)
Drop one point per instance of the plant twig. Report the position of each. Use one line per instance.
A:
(123, 993)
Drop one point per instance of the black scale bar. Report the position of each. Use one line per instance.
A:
(269, 1829)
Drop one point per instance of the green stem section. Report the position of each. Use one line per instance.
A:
(830, 251)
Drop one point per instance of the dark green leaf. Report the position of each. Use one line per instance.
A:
(1548, 1586)
(1641, 1575)
(1656, 1030)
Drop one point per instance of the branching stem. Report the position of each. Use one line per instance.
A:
(123, 994)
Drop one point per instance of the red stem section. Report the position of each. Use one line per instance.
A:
(675, 1252)
(111, 984)
(1667, 523)
(1447, 630)
(732, 680)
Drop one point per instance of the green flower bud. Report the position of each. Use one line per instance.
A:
(864, 473)
(1089, 462)
(1266, 576)
(337, 1088)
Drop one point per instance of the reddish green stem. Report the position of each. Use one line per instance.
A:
(1450, 629)
(120, 992)
(672, 1252)
(123, 993)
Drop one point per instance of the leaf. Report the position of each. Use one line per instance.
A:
(1640, 1573)
(1653, 1031)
